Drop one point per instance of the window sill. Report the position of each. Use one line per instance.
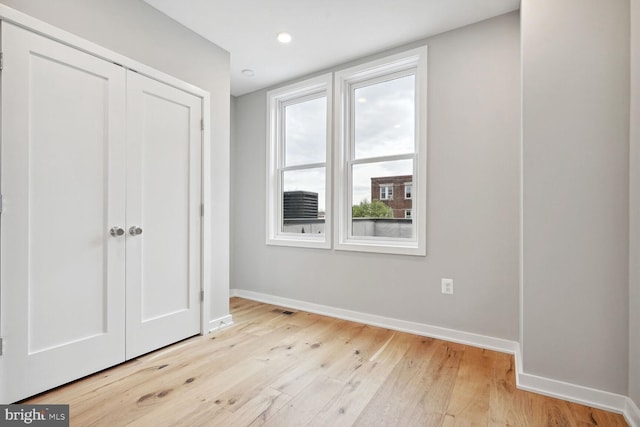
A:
(382, 247)
(299, 242)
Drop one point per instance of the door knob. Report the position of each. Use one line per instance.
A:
(116, 231)
(135, 230)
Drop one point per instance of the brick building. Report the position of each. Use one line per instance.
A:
(395, 192)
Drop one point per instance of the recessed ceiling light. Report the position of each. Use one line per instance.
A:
(248, 73)
(284, 37)
(362, 100)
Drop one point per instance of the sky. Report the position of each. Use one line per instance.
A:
(384, 125)
(306, 130)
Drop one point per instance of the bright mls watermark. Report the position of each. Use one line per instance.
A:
(36, 415)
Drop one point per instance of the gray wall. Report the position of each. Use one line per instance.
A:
(472, 197)
(576, 189)
(136, 30)
(634, 255)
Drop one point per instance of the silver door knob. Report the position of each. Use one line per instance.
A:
(135, 230)
(116, 231)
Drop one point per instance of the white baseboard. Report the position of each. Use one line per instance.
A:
(549, 387)
(582, 395)
(571, 392)
(475, 340)
(632, 413)
(220, 323)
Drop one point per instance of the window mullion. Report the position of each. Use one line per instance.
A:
(280, 147)
(347, 214)
(351, 156)
(304, 166)
(410, 156)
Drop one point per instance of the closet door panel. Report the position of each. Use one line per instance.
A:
(63, 186)
(163, 200)
(66, 213)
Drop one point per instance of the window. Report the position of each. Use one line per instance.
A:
(299, 173)
(386, 192)
(380, 143)
(381, 133)
(407, 190)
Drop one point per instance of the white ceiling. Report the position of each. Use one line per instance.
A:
(325, 32)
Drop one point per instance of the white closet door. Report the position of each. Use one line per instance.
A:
(163, 200)
(63, 157)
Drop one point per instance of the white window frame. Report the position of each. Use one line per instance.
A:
(408, 184)
(386, 193)
(277, 100)
(345, 81)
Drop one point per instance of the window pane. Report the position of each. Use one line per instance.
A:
(386, 191)
(303, 201)
(306, 132)
(378, 204)
(384, 118)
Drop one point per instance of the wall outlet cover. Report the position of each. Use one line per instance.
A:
(447, 286)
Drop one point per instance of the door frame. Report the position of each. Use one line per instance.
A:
(27, 22)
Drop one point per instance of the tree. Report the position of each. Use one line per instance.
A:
(375, 209)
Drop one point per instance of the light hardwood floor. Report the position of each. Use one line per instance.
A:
(304, 369)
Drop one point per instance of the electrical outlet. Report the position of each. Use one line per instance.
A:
(447, 286)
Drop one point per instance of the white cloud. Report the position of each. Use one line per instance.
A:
(305, 131)
(385, 123)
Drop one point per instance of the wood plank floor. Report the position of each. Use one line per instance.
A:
(303, 369)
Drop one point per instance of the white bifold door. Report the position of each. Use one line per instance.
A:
(100, 227)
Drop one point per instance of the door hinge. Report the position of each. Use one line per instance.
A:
(1, 203)
(1, 61)
(201, 209)
(201, 124)
(0, 346)
(201, 295)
